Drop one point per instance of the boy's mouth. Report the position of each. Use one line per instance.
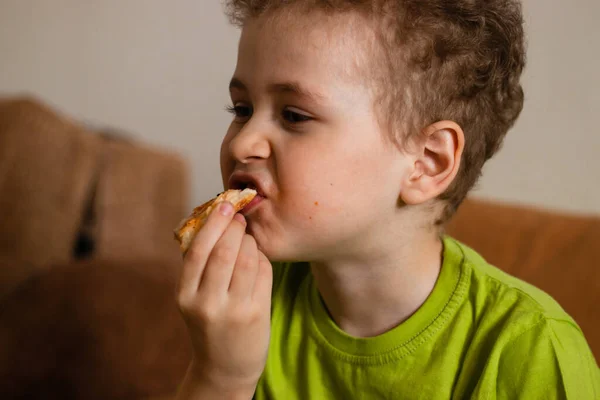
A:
(241, 181)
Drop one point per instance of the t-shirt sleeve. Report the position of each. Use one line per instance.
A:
(551, 360)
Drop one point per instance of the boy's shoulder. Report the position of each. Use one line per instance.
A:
(496, 288)
(527, 337)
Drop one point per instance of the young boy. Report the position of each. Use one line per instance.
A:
(362, 125)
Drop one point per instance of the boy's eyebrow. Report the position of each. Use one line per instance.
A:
(283, 87)
(297, 89)
(236, 84)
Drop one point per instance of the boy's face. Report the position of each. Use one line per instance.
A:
(306, 131)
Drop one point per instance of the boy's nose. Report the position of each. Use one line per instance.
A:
(250, 143)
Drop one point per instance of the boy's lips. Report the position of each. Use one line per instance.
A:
(252, 205)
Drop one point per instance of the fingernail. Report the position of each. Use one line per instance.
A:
(226, 208)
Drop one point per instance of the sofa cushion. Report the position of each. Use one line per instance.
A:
(93, 330)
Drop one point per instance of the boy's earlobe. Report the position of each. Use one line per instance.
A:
(437, 162)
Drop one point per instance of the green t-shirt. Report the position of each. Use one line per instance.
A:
(481, 334)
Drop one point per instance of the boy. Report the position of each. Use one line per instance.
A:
(362, 125)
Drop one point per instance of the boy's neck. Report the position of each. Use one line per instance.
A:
(370, 297)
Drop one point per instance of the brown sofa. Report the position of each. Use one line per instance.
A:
(87, 311)
(87, 260)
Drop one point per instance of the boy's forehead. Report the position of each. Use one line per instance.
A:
(312, 27)
(342, 42)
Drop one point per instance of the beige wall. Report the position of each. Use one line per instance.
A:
(160, 70)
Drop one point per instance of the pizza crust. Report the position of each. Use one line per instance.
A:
(189, 227)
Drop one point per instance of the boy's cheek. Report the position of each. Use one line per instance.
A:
(316, 214)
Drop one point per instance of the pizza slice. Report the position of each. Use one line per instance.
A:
(189, 227)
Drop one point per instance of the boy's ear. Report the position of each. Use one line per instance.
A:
(437, 159)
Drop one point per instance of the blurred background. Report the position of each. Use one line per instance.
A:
(159, 70)
(111, 118)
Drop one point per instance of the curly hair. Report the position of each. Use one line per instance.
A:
(457, 60)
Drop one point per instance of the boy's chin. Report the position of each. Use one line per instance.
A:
(279, 254)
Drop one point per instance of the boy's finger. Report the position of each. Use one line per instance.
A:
(245, 270)
(264, 281)
(217, 274)
(197, 255)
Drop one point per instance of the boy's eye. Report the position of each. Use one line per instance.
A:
(294, 117)
(240, 111)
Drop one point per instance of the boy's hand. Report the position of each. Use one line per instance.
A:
(225, 297)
